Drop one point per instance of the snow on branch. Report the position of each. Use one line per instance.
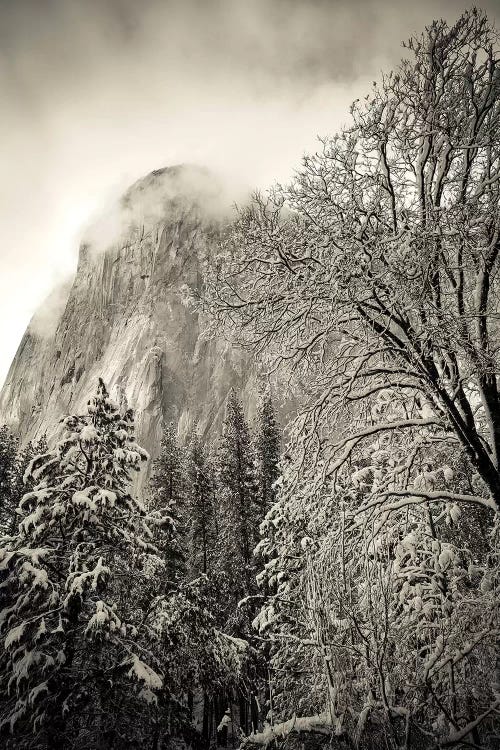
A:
(319, 724)
(417, 497)
(456, 737)
(349, 443)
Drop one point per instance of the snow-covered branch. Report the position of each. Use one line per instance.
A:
(319, 724)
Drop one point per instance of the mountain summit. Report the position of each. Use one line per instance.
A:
(125, 318)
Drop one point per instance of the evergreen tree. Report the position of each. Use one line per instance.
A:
(21, 479)
(267, 448)
(8, 449)
(13, 483)
(202, 529)
(75, 655)
(238, 506)
(169, 500)
(197, 655)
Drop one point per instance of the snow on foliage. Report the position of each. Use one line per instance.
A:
(80, 528)
(100, 619)
(371, 283)
(145, 674)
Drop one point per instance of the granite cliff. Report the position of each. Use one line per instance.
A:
(124, 318)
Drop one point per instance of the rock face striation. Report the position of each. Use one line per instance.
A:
(124, 318)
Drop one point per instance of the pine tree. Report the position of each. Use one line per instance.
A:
(169, 499)
(8, 449)
(238, 506)
(197, 654)
(202, 529)
(75, 655)
(267, 448)
(14, 482)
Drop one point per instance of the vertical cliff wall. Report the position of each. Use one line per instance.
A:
(124, 318)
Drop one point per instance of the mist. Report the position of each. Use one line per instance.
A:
(155, 196)
(96, 94)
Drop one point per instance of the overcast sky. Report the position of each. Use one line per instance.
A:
(96, 93)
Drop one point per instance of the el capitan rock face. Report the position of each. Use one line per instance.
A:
(125, 319)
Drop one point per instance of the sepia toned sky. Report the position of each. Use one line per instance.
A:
(96, 93)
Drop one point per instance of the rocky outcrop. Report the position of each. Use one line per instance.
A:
(124, 318)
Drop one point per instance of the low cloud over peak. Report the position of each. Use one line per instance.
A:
(95, 94)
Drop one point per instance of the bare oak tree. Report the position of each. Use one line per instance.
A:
(378, 267)
(372, 280)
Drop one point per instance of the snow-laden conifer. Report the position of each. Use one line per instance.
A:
(73, 642)
(8, 448)
(238, 503)
(267, 448)
(201, 508)
(168, 503)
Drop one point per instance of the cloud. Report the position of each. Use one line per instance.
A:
(97, 93)
(163, 192)
(45, 320)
